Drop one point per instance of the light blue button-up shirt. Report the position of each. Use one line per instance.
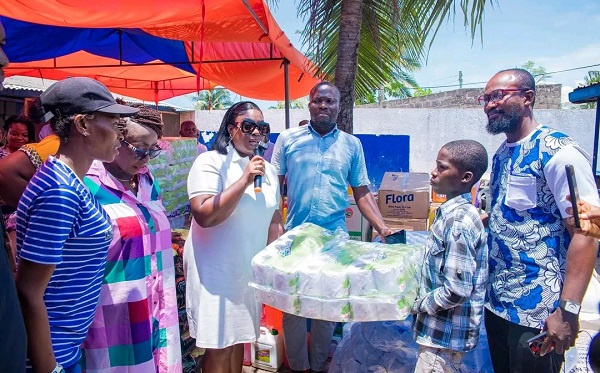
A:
(318, 171)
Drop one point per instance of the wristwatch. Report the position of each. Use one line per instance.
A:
(570, 306)
(58, 369)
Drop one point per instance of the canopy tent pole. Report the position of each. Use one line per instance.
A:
(286, 80)
(142, 64)
(595, 157)
(120, 47)
(584, 95)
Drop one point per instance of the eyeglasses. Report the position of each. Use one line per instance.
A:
(143, 153)
(248, 126)
(498, 95)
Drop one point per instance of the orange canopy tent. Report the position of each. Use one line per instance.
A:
(149, 83)
(232, 43)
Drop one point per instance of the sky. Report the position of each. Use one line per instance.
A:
(555, 34)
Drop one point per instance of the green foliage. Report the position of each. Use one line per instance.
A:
(593, 77)
(422, 92)
(214, 99)
(539, 72)
(431, 14)
(393, 90)
(300, 103)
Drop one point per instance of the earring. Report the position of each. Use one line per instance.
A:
(85, 134)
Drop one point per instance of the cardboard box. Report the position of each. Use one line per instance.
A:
(404, 195)
(406, 224)
(437, 198)
(441, 198)
(357, 225)
(432, 209)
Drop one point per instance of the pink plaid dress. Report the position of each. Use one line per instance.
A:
(135, 328)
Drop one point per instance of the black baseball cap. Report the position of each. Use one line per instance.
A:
(80, 95)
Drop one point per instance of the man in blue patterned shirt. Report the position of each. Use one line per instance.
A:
(449, 305)
(539, 267)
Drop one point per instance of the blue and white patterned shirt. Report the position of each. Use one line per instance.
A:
(453, 278)
(60, 223)
(528, 239)
(319, 170)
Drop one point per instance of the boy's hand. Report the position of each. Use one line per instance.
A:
(415, 307)
(484, 219)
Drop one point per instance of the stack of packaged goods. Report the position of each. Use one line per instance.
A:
(171, 169)
(316, 273)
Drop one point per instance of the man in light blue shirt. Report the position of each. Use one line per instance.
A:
(320, 161)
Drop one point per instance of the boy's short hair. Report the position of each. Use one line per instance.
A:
(468, 155)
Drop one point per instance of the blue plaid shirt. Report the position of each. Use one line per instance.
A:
(451, 295)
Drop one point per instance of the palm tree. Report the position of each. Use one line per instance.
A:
(214, 99)
(362, 44)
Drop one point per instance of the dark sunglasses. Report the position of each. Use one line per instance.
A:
(143, 153)
(248, 126)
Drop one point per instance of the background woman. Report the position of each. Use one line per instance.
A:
(62, 232)
(231, 224)
(19, 131)
(136, 325)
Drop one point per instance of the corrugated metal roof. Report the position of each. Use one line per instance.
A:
(38, 85)
(25, 83)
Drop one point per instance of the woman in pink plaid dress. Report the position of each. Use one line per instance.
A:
(135, 328)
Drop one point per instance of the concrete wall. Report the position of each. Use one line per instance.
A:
(429, 129)
(548, 97)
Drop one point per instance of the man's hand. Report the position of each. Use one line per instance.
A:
(384, 231)
(589, 217)
(562, 328)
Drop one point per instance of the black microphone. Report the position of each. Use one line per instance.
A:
(259, 150)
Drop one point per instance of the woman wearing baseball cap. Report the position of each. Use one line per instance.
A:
(63, 233)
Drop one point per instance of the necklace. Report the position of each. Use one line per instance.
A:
(132, 181)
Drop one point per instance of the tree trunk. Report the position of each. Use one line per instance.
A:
(347, 60)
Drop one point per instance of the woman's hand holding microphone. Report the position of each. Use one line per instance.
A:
(254, 168)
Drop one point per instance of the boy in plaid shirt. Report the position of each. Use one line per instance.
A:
(449, 305)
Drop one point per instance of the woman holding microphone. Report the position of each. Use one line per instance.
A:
(232, 222)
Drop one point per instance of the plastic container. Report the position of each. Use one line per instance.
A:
(247, 355)
(267, 351)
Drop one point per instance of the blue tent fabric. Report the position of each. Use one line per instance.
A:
(41, 42)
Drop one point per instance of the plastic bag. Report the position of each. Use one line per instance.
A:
(389, 346)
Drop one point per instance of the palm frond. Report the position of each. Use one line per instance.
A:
(434, 13)
(214, 99)
(387, 48)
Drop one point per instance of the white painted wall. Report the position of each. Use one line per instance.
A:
(429, 129)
